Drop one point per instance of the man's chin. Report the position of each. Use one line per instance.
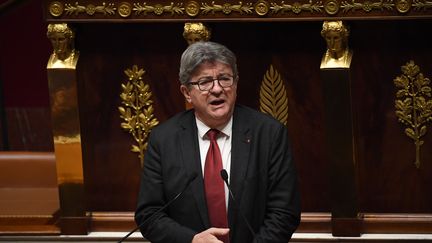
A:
(219, 110)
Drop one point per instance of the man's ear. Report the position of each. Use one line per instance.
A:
(186, 92)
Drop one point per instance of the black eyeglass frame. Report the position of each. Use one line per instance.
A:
(234, 79)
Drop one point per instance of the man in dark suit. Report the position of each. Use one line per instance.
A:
(217, 134)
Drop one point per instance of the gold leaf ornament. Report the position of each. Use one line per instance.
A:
(227, 8)
(137, 110)
(76, 9)
(158, 9)
(273, 96)
(413, 104)
(296, 7)
(56, 8)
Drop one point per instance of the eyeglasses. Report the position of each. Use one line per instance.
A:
(207, 83)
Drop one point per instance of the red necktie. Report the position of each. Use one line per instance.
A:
(214, 186)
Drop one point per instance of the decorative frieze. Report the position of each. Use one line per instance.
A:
(230, 9)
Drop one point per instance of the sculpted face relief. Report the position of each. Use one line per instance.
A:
(336, 33)
(335, 43)
(61, 45)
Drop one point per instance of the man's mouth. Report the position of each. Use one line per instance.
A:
(217, 102)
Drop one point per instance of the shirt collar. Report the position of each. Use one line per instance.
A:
(203, 128)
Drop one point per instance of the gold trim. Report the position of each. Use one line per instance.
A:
(106, 9)
(158, 9)
(331, 7)
(262, 7)
(413, 104)
(403, 6)
(297, 7)
(227, 8)
(421, 5)
(367, 6)
(273, 96)
(124, 9)
(192, 8)
(137, 112)
(67, 139)
(56, 8)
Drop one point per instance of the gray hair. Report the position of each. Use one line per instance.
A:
(205, 52)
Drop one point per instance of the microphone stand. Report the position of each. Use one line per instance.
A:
(191, 178)
(224, 175)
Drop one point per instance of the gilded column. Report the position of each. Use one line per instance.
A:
(62, 79)
(340, 137)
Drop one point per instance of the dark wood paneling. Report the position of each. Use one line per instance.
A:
(112, 221)
(397, 223)
(112, 172)
(386, 173)
(310, 222)
(123, 221)
(28, 225)
(315, 222)
(389, 181)
(385, 155)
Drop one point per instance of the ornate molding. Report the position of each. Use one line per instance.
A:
(422, 5)
(413, 104)
(137, 110)
(90, 9)
(273, 96)
(296, 7)
(367, 6)
(158, 9)
(228, 9)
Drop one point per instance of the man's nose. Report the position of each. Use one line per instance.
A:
(216, 86)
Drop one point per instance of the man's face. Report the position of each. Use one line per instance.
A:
(213, 107)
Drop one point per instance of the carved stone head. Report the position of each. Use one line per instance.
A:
(336, 35)
(62, 40)
(194, 32)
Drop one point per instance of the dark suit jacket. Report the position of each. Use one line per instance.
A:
(262, 178)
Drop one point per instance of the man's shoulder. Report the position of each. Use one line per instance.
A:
(175, 122)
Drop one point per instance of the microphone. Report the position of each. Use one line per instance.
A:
(224, 175)
(189, 181)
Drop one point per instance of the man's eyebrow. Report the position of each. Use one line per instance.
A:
(205, 77)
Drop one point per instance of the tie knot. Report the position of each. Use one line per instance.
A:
(212, 134)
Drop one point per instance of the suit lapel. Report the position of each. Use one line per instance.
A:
(191, 159)
(241, 137)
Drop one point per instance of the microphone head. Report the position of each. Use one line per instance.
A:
(224, 174)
